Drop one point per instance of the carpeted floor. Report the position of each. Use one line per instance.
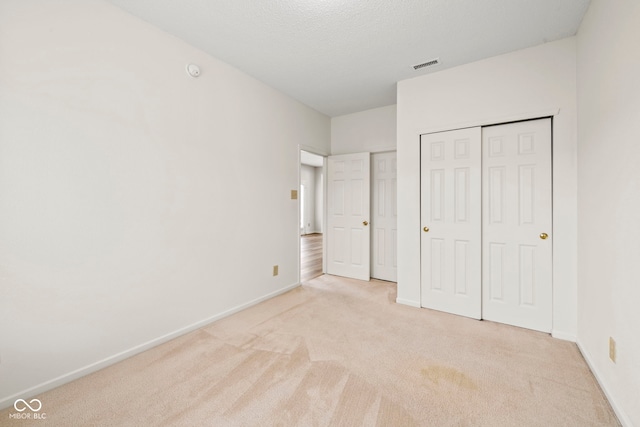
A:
(339, 352)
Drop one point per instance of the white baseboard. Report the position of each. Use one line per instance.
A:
(622, 416)
(563, 336)
(408, 302)
(81, 372)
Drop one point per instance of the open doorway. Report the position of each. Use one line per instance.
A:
(311, 215)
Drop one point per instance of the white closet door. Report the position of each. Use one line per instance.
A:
(384, 214)
(517, 276)
(450, 212)
(348, 250)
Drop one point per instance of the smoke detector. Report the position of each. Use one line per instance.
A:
(193, 70)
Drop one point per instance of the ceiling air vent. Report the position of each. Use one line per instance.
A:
(427, 64)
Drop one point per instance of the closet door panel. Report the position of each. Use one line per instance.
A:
(517, 261)
(451, 221)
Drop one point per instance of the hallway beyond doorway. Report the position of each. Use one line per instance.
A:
(310, 256)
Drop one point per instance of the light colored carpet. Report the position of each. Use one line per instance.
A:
(339, 352)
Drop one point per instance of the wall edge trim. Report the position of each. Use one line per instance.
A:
(6, 402)
(487, 121)
(563, 335)
(622, 416)
(408, 302)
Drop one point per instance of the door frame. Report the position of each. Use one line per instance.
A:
(324, 155)
(506, 120)
(564, 192)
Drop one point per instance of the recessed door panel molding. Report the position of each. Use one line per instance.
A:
(526, 143)
(461, 149)
(356, 246)
(380, 202)
(437, 194)
(494, 146)
(394, 197)
(338, 197)
(495, 189)
(526, 193)
(527, 274)
(337, 245)
(357, 201)
(494, 284)
(384, 216)
(514, 220)
(437, 150)
(451, 221)
(437, 264)
(462, 195)
(348, 186)
(381, 255)
(461, 281)
(394, 253)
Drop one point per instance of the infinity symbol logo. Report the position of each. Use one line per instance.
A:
(26, 405)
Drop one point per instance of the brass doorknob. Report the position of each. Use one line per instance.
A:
(425, 229)
(365, 223)
(543, 236)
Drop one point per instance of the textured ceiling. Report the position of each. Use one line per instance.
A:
(343, 56)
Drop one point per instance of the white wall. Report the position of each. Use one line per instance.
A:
(366, 131)
(308, 179)
(609, 198)
(319, 202)
(522, 84)
(127, 198)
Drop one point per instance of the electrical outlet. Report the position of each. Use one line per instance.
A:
(612, 349)
(294, 194)
(275, 270)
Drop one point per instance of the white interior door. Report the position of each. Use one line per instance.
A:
(517, 262)
(450, 212)
(348, 216)
(384, 215)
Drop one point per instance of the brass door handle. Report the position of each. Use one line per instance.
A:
(544, 236)
(425, 229)
(365, 223)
